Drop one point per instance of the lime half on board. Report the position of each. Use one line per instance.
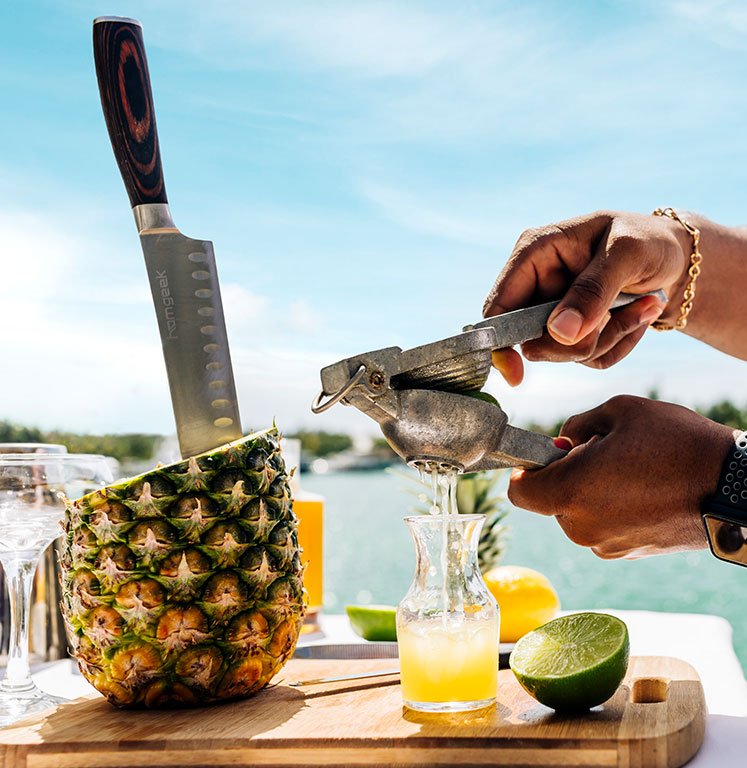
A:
(574, 662)
(373, 622)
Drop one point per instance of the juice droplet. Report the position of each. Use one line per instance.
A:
(453, 509)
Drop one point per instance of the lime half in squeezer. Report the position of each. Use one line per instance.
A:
(573, 662)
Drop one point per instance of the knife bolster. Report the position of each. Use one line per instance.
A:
(153, 216)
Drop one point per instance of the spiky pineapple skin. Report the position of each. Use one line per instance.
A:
(184, 586)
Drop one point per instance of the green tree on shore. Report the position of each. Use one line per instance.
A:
(322, 444)
(127, 446)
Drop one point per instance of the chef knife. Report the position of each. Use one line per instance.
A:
(181, 271)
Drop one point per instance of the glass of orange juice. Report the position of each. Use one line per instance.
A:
(309, 509)
(448, 622)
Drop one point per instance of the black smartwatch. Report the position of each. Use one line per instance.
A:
(725, 513)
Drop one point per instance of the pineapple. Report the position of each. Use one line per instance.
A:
(183, 586)
(473, 494)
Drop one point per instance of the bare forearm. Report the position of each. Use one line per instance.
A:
(720, 305)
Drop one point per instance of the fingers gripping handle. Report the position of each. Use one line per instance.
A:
(127, 101)
(525, 324)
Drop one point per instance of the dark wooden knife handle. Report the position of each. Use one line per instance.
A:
(127, 101)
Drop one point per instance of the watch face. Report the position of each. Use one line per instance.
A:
(728, 539)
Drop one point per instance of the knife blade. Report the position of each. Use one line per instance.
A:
(181, 271)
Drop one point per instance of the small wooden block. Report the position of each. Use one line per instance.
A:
(656, 718)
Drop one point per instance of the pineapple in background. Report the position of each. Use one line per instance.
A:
(183, 586)
(476, 495)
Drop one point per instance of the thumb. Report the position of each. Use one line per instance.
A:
(585, 304)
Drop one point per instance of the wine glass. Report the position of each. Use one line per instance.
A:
(49, 561)
(31, 511)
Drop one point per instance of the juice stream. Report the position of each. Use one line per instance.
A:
(443, 489)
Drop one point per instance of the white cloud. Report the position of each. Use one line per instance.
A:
(280, 384)
(723, 21)
(36, 257)
(376, 39)
(59, 371)
(432, 72)
(441, 218)
(244, 310)
(369, 40)
(301, 317)
(261, 321)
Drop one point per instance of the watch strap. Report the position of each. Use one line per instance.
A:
(725, 513)
(732, 485)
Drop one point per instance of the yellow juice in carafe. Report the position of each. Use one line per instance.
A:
(442, 662)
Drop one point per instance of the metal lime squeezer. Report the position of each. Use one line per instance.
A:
(417, 395)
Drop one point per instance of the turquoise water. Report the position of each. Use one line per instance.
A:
(369, 557)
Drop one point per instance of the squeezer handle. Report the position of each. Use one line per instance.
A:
(529, 450)
(523, 325)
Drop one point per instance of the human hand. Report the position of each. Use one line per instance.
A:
(588, 261)
(634, 483)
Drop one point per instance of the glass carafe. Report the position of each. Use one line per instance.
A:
(448, 622)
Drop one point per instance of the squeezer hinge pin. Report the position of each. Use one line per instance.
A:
(377, 380)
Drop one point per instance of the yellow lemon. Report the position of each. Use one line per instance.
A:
(526, 599)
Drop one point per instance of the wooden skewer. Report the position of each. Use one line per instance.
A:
(361, 676)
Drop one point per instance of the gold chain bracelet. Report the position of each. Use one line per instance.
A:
(695, 258)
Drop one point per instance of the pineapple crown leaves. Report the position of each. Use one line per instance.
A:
(474, 494)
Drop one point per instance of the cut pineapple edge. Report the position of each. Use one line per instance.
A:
(183, 585)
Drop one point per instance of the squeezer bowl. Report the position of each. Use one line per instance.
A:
(444, 428)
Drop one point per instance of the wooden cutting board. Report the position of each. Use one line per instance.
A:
(656, 718)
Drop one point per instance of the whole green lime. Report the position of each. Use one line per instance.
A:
(373, 622)
(573, 662)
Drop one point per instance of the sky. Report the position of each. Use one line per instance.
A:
(363, 169)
